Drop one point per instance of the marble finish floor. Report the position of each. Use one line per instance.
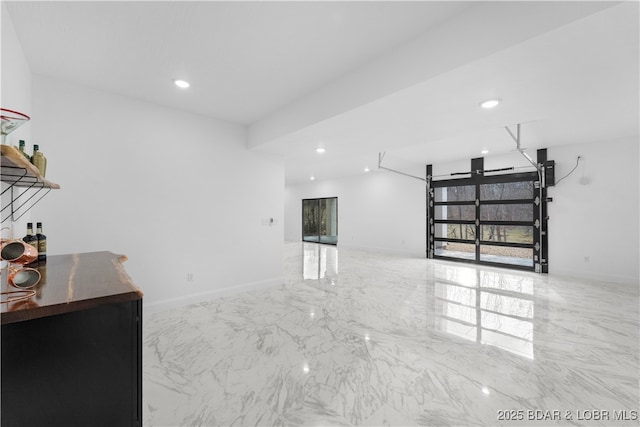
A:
(362, 338)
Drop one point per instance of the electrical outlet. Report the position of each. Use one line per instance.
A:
(269, 221)
(189, 277)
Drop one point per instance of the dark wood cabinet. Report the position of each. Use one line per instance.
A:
(72, 354)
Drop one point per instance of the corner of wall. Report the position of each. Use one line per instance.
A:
(15, 93)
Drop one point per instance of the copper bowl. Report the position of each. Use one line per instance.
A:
(24, 278)
(18, 252)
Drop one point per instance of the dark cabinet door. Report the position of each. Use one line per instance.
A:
(82, 368)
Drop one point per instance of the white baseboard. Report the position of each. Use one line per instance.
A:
(392, 251)
(196, 298)
(609, 278)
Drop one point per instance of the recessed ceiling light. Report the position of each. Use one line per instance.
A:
(312, 178)
(485, 151)
(182, 84)
(490, 103)
(320, 150)
(486, 390)
(367, 169)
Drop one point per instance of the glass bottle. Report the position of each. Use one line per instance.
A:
(42, 244)
(31, 239)
(21, 147)
(38, 160)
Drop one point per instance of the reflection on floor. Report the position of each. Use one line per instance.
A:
(331, 240)
(387, 340)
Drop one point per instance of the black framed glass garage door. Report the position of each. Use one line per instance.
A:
(486, 219)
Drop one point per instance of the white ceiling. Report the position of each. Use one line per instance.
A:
(577, 84)
(256, 63)
(243, 59)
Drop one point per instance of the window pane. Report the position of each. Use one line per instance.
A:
(310, 220)
(505, 255)
(459, 193)
(507, 191)
(461, 212)
(456, 250)
(506, 233)
(455, 231)
(519, 212)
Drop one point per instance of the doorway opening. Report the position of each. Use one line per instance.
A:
(320, 220)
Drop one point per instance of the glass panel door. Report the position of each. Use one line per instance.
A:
(311, 220)
(320, 220)
(329, 221)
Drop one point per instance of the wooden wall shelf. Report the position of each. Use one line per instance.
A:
(18, 172)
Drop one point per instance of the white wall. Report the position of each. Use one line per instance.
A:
(377, 210)
(599, 220)
(15, 91)
(593, 229)
(173, 191)
(15, 94)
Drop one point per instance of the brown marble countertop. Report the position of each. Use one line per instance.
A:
(70, 283)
